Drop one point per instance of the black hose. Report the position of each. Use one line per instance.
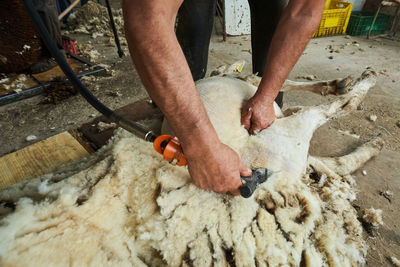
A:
(69, 73)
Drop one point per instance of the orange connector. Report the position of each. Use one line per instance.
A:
(170, 148)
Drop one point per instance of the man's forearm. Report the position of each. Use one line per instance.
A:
(296, 26)
(162, 67)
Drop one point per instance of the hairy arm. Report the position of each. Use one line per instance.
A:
(161, 65)
(299, 21)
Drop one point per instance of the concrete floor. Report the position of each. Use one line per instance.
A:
(350, 56)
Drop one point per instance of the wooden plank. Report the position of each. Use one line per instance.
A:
(57, 72)
(68, 9)
(40, 158)
(139, 110)
(78, 138)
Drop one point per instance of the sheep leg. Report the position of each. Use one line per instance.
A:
(334, 87)
(301, 125)
(349, 163)
(313, 117)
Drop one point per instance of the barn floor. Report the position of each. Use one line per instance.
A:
(351, 55)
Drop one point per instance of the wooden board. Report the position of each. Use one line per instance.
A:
(40, 158)
(139, 110)
(57, 72)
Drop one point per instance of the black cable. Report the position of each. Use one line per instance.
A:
(69, 73)
(120, 52)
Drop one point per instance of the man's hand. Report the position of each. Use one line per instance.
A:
(288, 43)
(257, 114)
(217, 168)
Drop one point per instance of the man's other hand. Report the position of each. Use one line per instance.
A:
(217, 168)
(257, 114)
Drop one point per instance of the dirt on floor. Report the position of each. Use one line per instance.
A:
(326, 58)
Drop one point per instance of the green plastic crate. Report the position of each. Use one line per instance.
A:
(360, 22)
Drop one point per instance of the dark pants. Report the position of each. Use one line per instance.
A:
(195, 24)
(47, 10)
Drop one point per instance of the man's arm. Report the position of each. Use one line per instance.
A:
(161, 64)
(299, 21)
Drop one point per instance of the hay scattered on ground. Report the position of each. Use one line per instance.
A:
(93, 19)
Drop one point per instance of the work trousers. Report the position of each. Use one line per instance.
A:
(195, 24)
(47, 10)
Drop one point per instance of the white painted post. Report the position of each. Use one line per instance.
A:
(237, 17)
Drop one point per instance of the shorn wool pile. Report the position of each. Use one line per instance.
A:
(125, 206)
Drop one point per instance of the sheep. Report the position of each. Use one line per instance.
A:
(126, 206)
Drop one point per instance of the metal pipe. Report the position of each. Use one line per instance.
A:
(114, 29)
(373, 21)
(38, 89)
(394, 24)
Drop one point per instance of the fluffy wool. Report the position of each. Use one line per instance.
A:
(373, 216)
(126, 206)
(395, 261)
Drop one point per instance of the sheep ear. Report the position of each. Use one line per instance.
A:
(278, 111)
(252, 79)
(236, 68)
(232, 70)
